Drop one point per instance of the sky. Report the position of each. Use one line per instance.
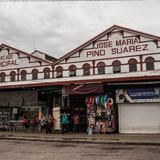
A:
(58, 27)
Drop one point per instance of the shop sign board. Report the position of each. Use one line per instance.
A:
(119, 46)
(8, 60)
(138, 95)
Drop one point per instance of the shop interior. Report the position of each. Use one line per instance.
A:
(75, 104)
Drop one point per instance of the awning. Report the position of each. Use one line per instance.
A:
(49, 88)
(83, 88)
(53, 89)
(11, 99)
(19, 98)
(133, 83)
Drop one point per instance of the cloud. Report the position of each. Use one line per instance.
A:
(58, 27)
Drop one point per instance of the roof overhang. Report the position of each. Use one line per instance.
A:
(113, 81)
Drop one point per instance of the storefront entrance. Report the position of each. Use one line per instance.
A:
(96, 113)
(75, 105)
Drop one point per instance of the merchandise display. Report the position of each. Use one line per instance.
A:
(100, 114)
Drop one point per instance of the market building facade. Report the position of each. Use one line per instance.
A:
(111, 81)
(23, 79)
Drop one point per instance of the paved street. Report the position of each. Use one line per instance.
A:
(29, 150)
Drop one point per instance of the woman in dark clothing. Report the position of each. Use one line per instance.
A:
(50, 124)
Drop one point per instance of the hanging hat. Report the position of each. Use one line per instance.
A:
(98, 101)
(104, 99)
(108, 105)
(106, 102)
(110, 101)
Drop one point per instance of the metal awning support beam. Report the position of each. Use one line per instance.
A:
(133, 83)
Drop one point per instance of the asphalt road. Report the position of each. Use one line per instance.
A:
(29, 150)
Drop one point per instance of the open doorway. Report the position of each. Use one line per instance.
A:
(75, 105)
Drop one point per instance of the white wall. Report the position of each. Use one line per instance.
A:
(139, 118)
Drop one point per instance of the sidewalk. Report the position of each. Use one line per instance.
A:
(133, 139)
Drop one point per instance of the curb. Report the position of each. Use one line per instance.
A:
(81, 141)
